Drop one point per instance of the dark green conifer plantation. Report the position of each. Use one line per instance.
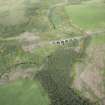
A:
(56, 78)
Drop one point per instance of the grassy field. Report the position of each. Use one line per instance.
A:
(90, 15)
(23, 15)
(23, 92)
(10, 10)
(99, 39)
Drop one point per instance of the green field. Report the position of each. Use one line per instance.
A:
(99, 39)
(88, 15)
(23, 92)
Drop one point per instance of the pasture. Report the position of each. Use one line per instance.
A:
(89, 16)
(23, 92)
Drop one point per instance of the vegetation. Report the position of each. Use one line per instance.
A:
(87, 15)
(99, 39)
(56, 77)
(12, 55)
(28, 29)
(23, 92)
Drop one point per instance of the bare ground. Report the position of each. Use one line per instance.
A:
(90, 78)
(18, 73)
(29, 41)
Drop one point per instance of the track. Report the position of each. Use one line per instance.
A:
(63, 41)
